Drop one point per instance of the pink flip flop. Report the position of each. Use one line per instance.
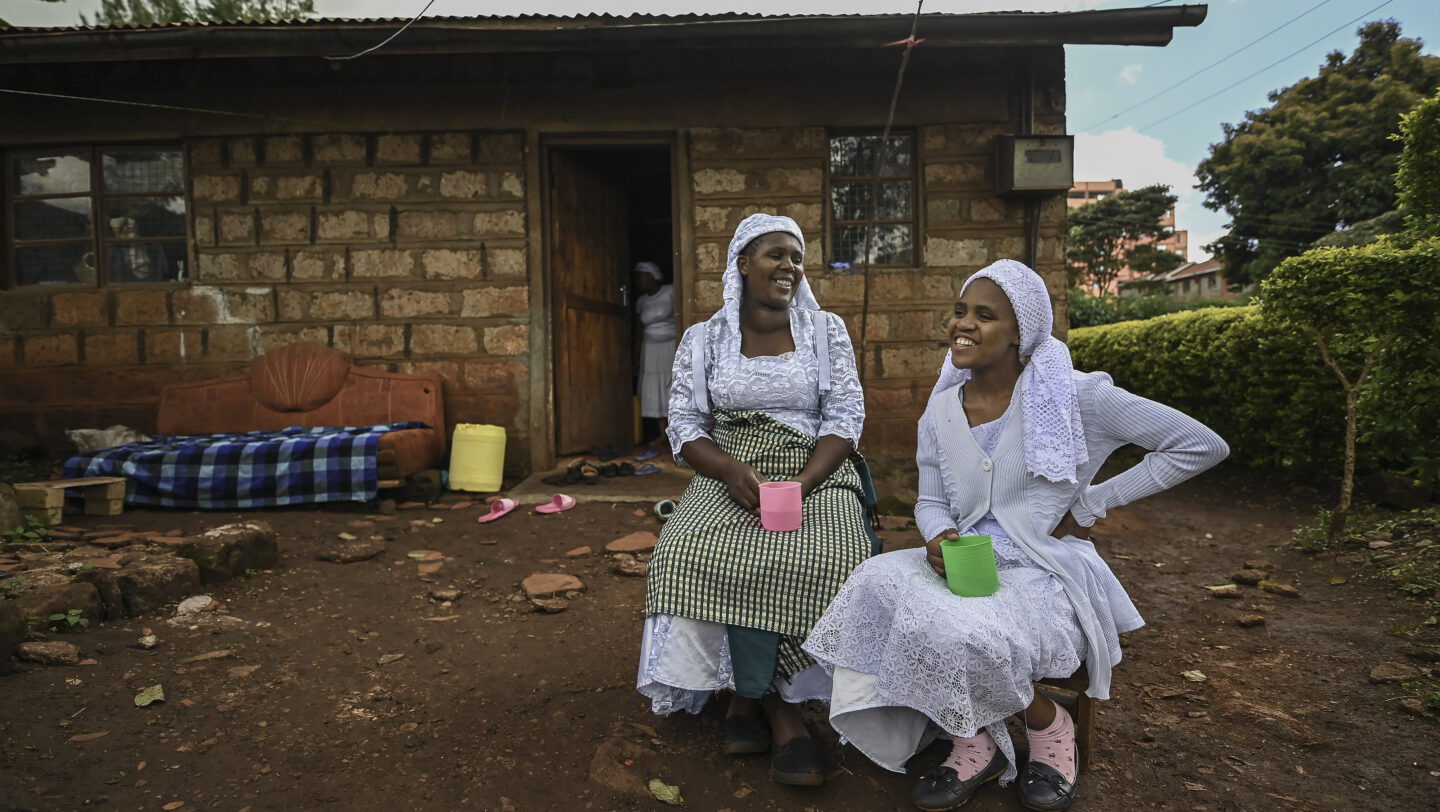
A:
(498, 508)
(559, 503)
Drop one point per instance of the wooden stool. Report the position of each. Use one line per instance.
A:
(1069, 693)
(104, 496)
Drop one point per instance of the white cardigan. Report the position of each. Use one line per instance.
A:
(959, 484)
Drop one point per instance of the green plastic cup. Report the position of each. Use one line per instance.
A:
(970, 566)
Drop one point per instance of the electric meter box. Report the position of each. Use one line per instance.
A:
(1034, 163)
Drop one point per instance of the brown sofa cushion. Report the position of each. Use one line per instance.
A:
(299, 377)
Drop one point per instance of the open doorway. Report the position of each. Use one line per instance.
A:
(609, 207)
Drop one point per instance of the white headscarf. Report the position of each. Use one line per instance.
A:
(1049, 407)
(650, 268)
(751, 228)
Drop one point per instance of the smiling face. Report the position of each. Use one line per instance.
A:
(983, 330)
(772, 265)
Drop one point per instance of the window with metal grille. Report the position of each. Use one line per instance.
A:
(866, 194)
(95, 216)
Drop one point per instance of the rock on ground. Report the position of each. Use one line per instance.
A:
(59, 599)
(1394, 672)
(348, 552)
(549, 584)
(147, 587)
(1249, 577)
(54, 652)
(641, 542)
(224, 552)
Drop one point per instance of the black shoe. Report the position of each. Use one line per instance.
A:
(940, 788)
(607, 453)
(745, 735)
(1042, 787)
(797, 763)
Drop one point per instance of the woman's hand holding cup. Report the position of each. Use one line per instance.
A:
(743, 483)
(932, 550)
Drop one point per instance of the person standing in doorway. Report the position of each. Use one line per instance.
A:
(655, 307)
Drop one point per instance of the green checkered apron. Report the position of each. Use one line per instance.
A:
(715, 562)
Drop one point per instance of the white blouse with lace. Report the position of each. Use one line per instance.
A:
(786, 387)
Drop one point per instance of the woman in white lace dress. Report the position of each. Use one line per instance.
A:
(765, 390)
(655, 308)
(1008, 446)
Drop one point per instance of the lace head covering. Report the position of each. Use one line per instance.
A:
(1049, 407)
(650, 268)
(751, 228)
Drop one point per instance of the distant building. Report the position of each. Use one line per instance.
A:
(1193, 280)
(1089, 191)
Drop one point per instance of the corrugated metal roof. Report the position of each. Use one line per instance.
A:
(326, 36)
(589, 17)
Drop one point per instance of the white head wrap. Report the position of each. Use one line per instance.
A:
(752, 227)
(1049, 407)
(650, 268)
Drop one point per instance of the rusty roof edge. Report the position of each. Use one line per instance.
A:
(1135, 26)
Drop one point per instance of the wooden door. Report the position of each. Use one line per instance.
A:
(589, 252)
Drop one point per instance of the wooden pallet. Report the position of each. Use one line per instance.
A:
(104, 496)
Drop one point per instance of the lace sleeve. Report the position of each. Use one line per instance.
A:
(687, 421)
(842, 411)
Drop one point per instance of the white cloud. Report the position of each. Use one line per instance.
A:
(1140, 160)
(1131, 74)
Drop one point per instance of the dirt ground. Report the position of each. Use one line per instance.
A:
(496, 706)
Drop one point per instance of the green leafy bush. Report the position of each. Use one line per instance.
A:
(1091, 311)
(1266, 390)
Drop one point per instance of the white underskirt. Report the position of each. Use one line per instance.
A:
(684, 661)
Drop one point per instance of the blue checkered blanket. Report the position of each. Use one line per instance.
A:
(255, 469)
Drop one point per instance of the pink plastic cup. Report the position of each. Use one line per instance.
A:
(780, 506)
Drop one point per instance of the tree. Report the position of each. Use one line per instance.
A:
(1117, 232)
(1419, 176)
(156, 12)
(1320, 158)
(1356, 303)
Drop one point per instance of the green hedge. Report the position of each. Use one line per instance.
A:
(1267, 391)
(1090, 311)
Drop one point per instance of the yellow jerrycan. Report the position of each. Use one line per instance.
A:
(477, 457)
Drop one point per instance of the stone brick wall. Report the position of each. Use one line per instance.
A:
(407, 250)
(964, 226)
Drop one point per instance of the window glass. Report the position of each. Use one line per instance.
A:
(54, 218)
(55, 264)
(143, 171)
(57, 174)
(874, 195)
(68, 227)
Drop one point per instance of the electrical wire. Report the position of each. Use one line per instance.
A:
(910, 44)
(1219, 61)
(385, 41)
(1291, 55)
(153, 106)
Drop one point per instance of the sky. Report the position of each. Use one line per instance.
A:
(1228, 65)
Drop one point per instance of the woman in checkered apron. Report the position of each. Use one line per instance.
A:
(765, 390)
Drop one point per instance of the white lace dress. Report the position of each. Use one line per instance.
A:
(910, 661)
(657, 350)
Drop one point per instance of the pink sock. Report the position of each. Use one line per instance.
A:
(968, 757)
(1055, 745)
